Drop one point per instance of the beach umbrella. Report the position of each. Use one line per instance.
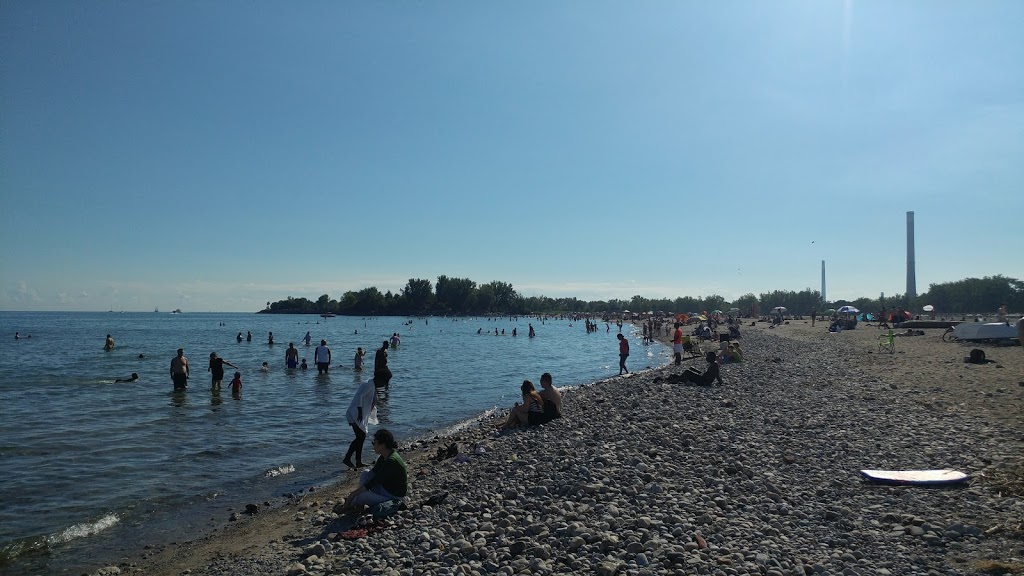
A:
(779, 309)
(831, 310)
(716, 311)
(848, 310)
(702, 317)
(928, 308)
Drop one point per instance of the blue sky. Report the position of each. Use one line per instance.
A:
(213, 156)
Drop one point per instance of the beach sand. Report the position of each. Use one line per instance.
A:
(759, 476)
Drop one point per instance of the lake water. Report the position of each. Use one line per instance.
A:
(91, 469)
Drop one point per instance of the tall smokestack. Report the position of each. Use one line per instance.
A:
(911, 275)
(823, 300)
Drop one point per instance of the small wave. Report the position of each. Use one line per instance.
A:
(24, 547)
(280, 471)
(85, 529)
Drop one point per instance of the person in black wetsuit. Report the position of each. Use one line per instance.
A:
(381, 372)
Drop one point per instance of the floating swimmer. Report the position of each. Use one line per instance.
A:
(133, 378)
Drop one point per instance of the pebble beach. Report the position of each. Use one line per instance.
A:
(758, 476)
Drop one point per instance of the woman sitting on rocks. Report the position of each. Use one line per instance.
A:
(530, 412)
(387, 480)
(693, 376)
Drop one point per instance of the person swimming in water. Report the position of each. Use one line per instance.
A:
(133, 378)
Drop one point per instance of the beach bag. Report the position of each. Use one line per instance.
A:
(387, 508)
(977, 356)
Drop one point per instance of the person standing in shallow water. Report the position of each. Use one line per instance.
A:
(623, 353)
(217, 370)
(291, 356)
(109, 344)
(179, 370)
(322, 358)
(248, 336)
(381, 372)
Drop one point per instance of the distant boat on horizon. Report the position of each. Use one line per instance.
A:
(176, 311)
(156, 310)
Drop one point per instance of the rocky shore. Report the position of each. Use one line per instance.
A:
(759, 476)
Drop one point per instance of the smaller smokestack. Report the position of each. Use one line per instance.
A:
(823, 299)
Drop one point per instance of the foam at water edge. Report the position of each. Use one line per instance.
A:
(85, 529)
(280, 471)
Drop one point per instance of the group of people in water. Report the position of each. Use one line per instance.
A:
(180, 370)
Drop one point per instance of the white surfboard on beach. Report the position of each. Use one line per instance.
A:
(915, 477)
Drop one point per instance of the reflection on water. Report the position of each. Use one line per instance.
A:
(383, 410)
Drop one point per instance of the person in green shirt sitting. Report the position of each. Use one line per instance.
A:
(732, 354)
(387, 480)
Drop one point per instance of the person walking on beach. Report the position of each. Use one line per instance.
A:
(361, 412)
(322, 357)
(623, 353)
(179, 370)
(217, 368)
(109, 344)
(381, 372)
(291, 356)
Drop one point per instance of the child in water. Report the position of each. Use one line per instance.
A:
(303, 366)
(236, 383)
(265, 368)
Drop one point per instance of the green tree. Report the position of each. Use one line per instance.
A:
(418, 295)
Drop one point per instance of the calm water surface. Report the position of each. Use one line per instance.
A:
(92, 468)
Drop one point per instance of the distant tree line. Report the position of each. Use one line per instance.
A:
(462, 296)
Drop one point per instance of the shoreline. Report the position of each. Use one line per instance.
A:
(640, 473)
